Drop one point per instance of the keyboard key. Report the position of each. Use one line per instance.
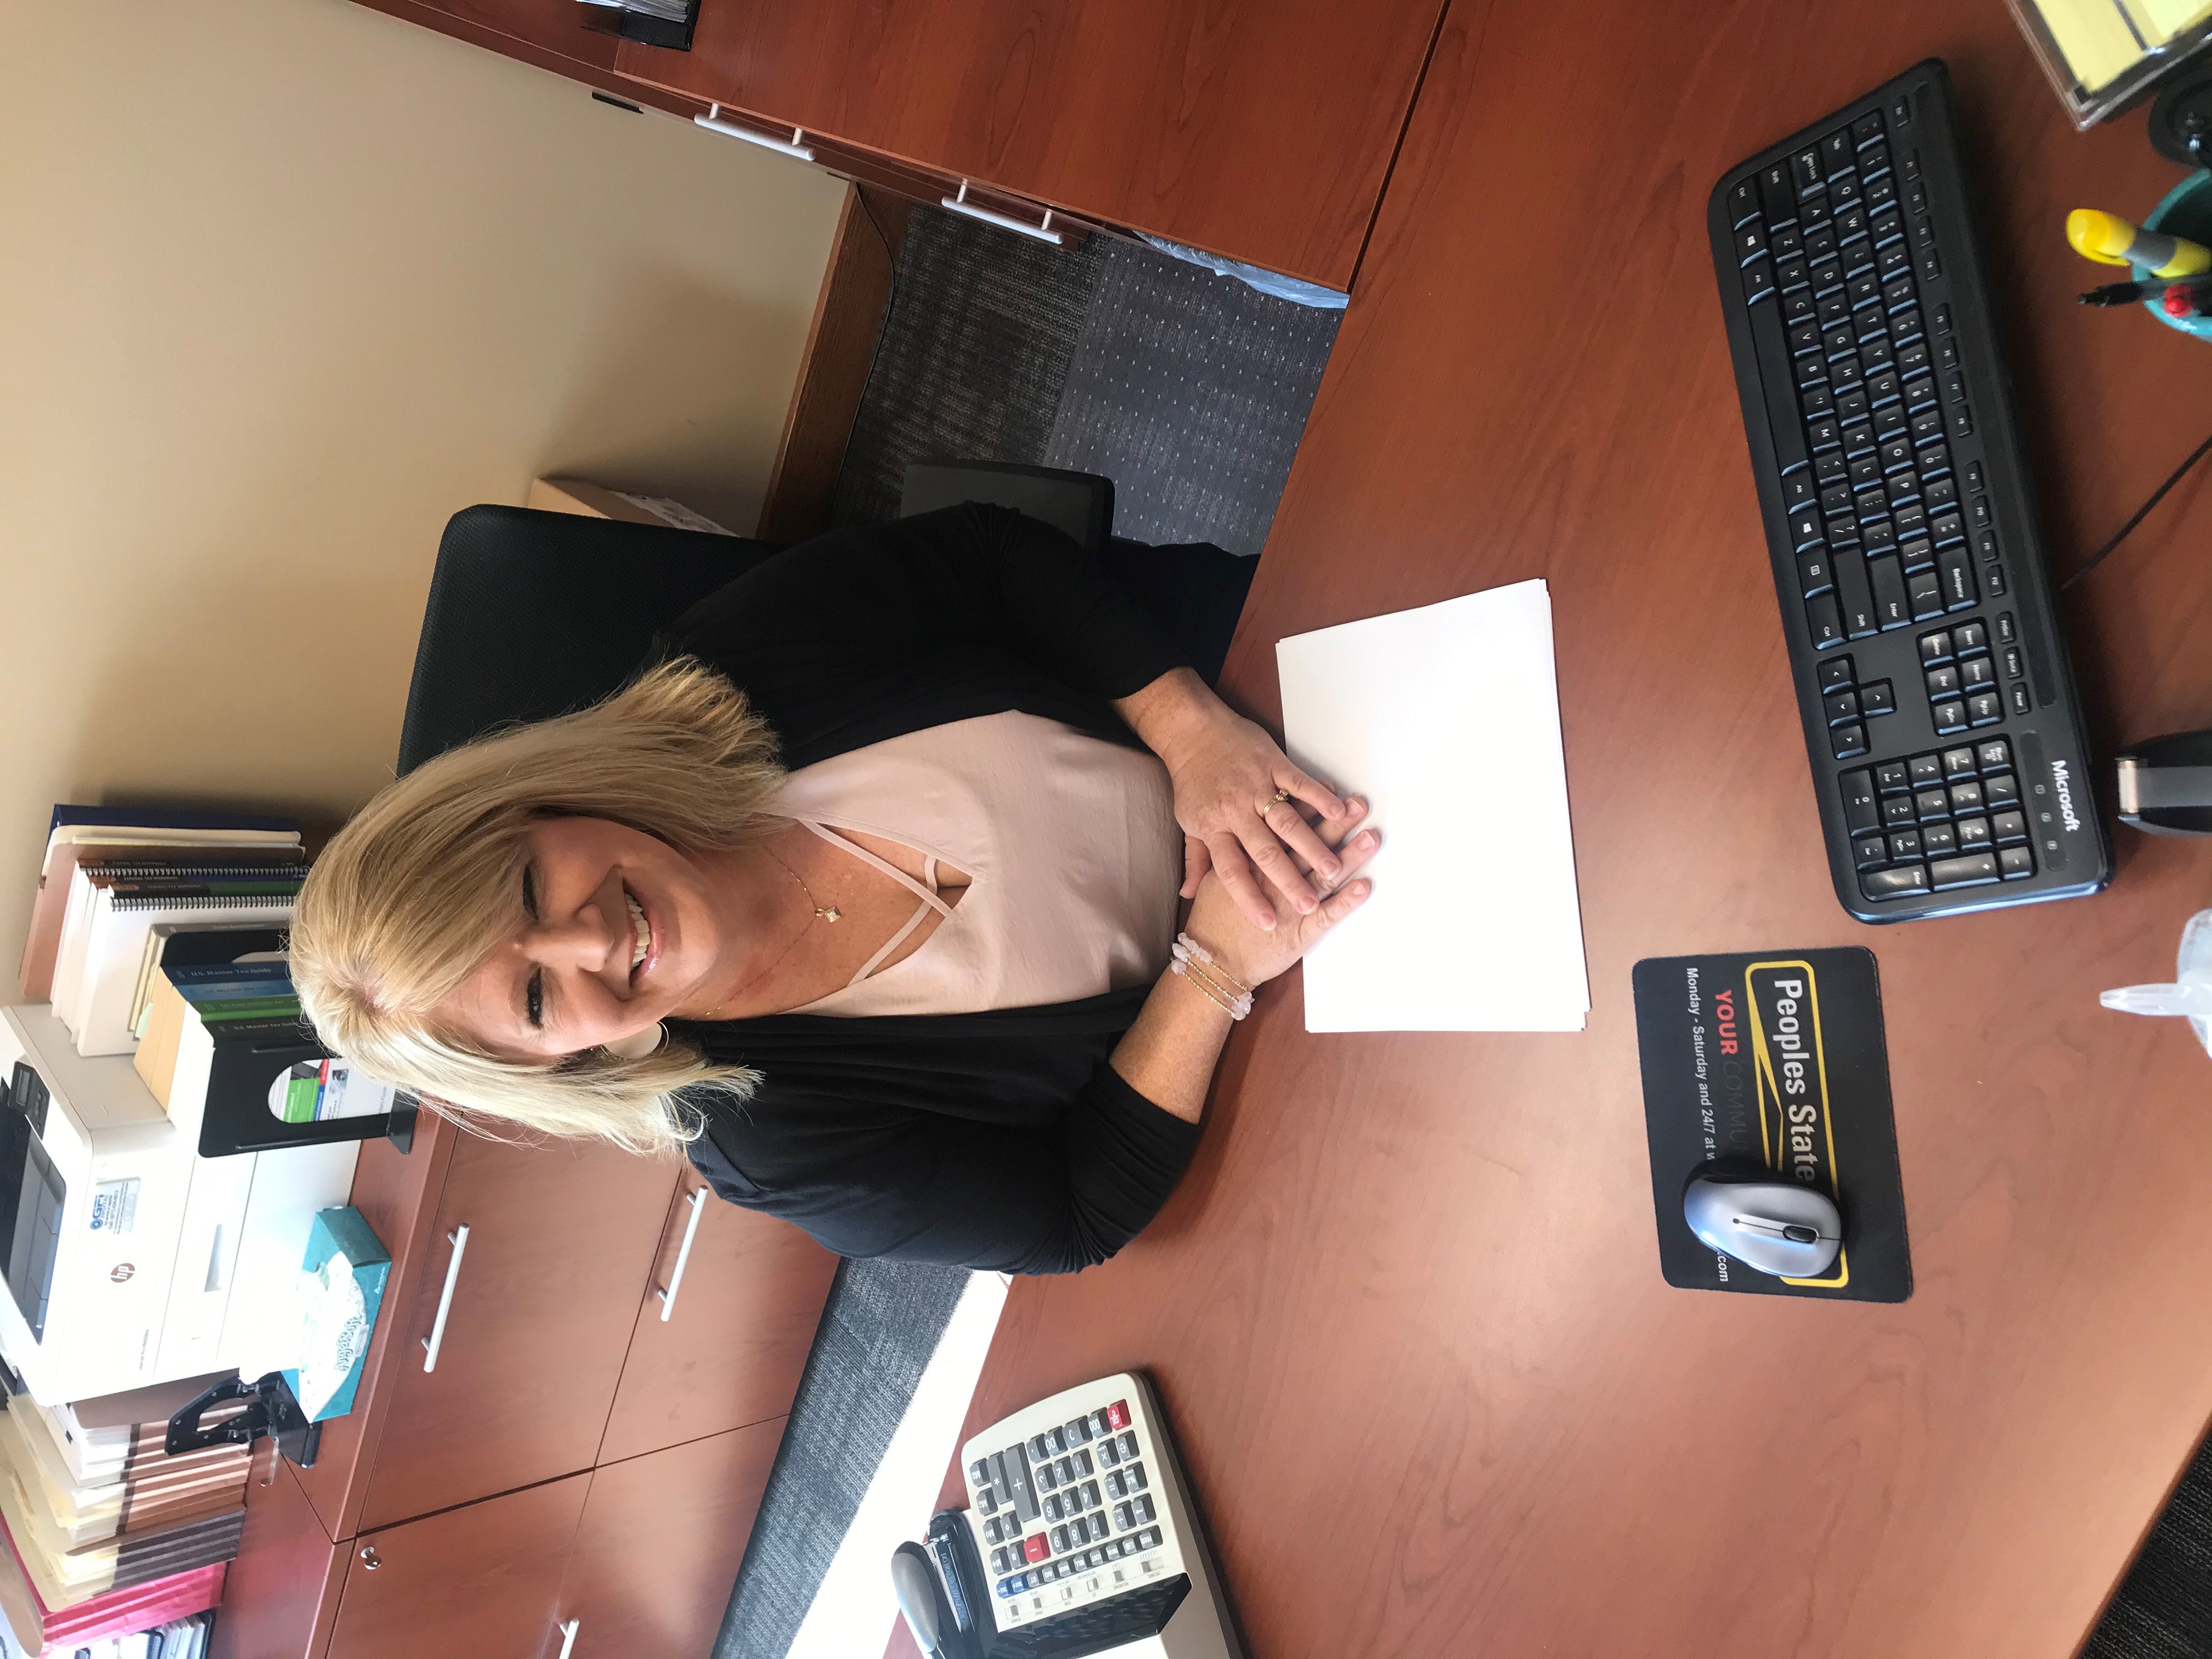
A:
(1127, 1442)
(1941, 682)
(1926, 592)
(1904, 845)
(1860, 812)
(1946, 528)
(2002, 790)
(1124, 1518)
(1871, 851)
(1993, 579)
(1848, 742)
(1089, 1495)
(1825, 622)
(1977, 673)
(1061, 1541)
(1757, 282)
(1078, 1432)
(2016, 863)
(1108, 1454)
(1139, 1480)
(2008, 828)
(1959, 422)
(1891, 778)
(1840, 706)
(1855, 598)
(1115, 1486)
(1957, 576)
(1966, 797)
(1045, 1478)
(1932, 804)
(1894, 883)
(1917, 555)
(1950, 717)
(1984, 709)
(1970, 639)
(1897, 813)
(1936, 838)
(1925, 769)
(1967, 869)
(1877, 699)
(1935, 647)
(1065, 1469)
(1036, 1547)
(1891, 608)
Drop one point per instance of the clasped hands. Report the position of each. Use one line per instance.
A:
(1245, 809)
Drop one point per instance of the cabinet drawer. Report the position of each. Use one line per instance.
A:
(659, 1546)
(531, 1311)
(482, 1581)
(738, 1327)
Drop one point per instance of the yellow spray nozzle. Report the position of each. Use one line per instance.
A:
(2111, 240)
(2104, 237)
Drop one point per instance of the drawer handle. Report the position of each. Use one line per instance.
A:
(568, 1636)
(458, 1238)
(370, 1560)
(682, 1254)
(792, 147)
(960, 204)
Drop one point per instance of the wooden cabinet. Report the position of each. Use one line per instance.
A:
(659, 1546)
(560, 1399)
(725, 1349)
(482, 1582)
(1261, 129)
(543, 1295)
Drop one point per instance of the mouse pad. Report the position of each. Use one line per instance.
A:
(1773, 1059)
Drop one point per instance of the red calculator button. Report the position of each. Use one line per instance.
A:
(1034, 1548)
(1117, 1414)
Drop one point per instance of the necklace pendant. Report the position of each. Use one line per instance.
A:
(828, 912)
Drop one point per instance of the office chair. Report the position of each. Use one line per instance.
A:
(534, 614)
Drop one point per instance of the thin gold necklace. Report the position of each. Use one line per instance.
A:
(826, 912)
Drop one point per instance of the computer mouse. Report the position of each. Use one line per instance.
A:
(2166, 785)
(1778, 1227)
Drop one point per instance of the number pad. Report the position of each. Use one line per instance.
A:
(1944, 818)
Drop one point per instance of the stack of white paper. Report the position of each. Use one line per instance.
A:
(1446, 721)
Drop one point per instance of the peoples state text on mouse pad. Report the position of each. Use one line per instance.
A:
(1775, 1060)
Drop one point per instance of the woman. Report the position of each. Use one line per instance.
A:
(865, 893)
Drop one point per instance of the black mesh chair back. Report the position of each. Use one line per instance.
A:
(534, 614)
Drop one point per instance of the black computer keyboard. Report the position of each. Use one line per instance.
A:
(1946, 741)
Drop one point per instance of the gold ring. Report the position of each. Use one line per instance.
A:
(1274, 801)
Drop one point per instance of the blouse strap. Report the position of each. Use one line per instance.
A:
(927, 895)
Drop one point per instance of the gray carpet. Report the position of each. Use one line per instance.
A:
(879, 1328)
(973, 356)
(1190, 390)
(2163, 1607)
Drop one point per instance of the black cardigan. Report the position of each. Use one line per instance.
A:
(1002, 1139)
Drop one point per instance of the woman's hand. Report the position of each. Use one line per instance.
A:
(1227, 772)
(1256, 955)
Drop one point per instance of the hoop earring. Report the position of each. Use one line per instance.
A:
(638, 1045)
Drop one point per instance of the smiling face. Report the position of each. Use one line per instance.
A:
(618, 931)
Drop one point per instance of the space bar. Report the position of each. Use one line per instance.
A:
(1779, 384)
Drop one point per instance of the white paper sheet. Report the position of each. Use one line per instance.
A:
(1447, 719)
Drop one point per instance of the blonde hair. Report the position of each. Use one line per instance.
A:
(415, 892)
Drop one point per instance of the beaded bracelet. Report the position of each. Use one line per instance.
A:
(1188, 949)
(1236, 1007)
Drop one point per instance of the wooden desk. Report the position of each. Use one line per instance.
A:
(1406, 1309)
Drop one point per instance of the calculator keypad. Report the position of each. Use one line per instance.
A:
(1072, 1499)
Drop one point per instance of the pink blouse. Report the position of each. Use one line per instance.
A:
(1069, 842)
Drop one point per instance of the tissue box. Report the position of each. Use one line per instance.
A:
(341, 1287)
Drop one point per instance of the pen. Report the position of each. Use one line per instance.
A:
(2128, 294)
(2111, 240)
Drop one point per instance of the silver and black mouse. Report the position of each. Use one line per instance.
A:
(1777, 1226)
(2166, 785)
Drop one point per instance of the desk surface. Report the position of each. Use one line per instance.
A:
(1406, 1309)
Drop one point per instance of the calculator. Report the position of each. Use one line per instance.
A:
(1081, 1537)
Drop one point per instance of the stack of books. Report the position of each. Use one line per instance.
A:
(123, 893)
(180, 1639)
(103, 1537)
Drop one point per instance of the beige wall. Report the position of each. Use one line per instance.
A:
(284, 284)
